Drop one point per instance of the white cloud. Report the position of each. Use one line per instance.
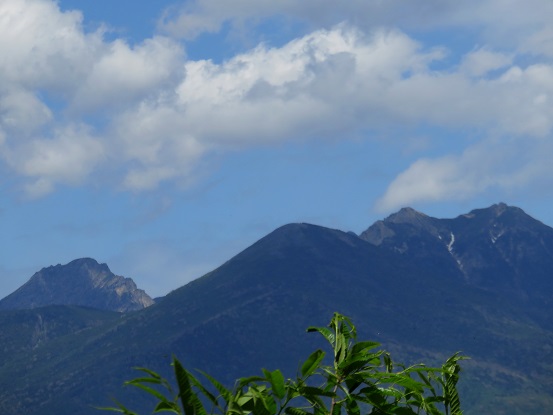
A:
(509, 23)
(73, 103)
(68, 158)
(265, 95)
(42, 47)
(199, 16)
(312, 85)
(426, 180)
(123, 74)
(481, 61)
(506, 165)
(54, 76)
(443, 178)
(540, 42)
(22, 112)
(153, 139)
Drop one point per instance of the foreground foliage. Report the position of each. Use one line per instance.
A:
(360, 380)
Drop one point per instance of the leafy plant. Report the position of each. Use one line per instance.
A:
(360, 380)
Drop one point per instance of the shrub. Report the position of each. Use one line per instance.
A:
(360, 380)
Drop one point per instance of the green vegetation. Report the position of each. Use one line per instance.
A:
(359, 380)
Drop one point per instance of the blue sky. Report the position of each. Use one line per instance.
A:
(164, 137)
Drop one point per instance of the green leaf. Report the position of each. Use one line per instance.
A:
(277, 383)
(401, 379)
(325, 331)
(244, 400)
(234, 408)
(341, 350)
(151, 391)
(248, 380)
(345, 326)
(353, 382)
(263, 403)
(377, 400)
(311, 391)
(388, 362)
(167, 407)
(363, 346)
(190, 401)
(312, 363)
(144, 380)
(149, 372)
(451, 369)
(204, 390)
(427, 382)
(359, 362)
(225, 393)
(352, 406)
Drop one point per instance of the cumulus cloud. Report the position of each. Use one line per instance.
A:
(263, 96)
(502, 22)
(482, 61)
(122, 74)
(66, 158)
(513, 111)
(317, 83)
(54, 76)
(73, 103)
(154, 138)
(43, 48)
(22, 112)
(507, 165)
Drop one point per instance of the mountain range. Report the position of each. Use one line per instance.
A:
(423, 287)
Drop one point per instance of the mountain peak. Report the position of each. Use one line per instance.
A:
(383, 229)
(406, 215)
(499, 208)
(490, 247)
(84, 262)
(503, 216)
(494, 211)
(83, 282)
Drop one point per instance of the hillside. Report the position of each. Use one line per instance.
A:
(405, 290)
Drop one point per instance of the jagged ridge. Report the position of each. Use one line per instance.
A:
(500, 248)
(82, 282)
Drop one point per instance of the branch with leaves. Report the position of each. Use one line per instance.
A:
(360, 380)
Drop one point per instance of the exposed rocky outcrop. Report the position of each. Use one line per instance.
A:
(82, 282)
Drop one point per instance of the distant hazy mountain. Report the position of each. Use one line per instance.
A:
(423, 287)
(82, 282)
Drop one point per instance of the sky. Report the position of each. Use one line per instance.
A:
(164, 137)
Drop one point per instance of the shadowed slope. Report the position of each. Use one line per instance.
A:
(253, 310)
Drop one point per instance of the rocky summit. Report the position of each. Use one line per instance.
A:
(500, 248)
(82, 282)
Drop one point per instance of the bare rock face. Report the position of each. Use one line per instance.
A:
(82, 282)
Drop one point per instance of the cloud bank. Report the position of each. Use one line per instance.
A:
(75, 106)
